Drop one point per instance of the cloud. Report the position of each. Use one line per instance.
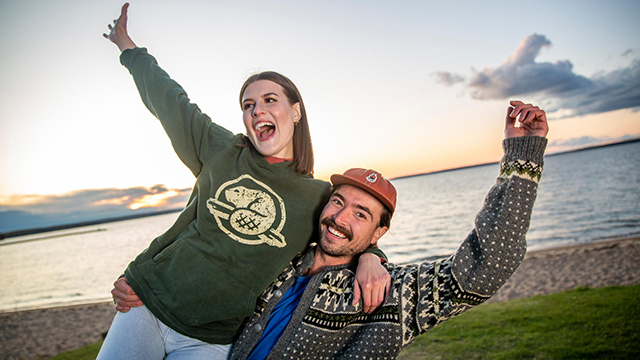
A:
(35, 211)
(449, 78)
(564, 93)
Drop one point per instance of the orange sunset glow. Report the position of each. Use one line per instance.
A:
(153, 200)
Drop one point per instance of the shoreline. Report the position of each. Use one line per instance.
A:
(594, 264)
(46, 332)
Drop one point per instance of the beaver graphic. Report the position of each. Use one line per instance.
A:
(255, 211)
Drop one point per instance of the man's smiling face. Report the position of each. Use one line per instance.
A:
(349, 222)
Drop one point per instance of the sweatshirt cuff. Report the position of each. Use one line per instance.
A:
(127, 56)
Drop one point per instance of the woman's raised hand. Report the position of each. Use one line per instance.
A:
(118, 32)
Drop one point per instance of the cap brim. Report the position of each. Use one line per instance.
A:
(338, 179)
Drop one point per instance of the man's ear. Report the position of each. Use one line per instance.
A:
(378, 234)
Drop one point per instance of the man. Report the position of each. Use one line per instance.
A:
(307, 313)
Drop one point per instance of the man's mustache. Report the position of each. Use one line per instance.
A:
(328, 222)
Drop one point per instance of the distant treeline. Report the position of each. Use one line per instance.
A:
(84, 223)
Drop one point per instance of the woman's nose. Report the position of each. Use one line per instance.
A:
(258, 110)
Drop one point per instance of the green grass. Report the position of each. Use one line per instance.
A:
(584, 323)
(88, 352)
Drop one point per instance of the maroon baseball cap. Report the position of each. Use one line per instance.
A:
(370, 181)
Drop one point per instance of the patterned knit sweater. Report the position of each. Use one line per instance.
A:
(326, 325)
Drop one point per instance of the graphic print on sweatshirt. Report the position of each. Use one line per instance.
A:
(249, 212)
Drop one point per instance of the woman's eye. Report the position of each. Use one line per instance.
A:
(270, 100)
(247, 106)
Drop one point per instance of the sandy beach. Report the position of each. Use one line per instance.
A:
(44, 333)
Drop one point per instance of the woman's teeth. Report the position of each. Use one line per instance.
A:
(264, 129)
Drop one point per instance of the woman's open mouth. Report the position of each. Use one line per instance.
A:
(264, 130)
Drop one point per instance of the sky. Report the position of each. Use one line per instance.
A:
(403, 87)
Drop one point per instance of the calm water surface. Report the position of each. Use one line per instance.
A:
(583, 196)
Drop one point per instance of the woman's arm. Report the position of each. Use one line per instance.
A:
(193, 135)
(372, 282)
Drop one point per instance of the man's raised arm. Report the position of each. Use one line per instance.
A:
(496, 246)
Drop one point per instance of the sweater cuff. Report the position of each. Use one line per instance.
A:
(523, 157)
(528, 148)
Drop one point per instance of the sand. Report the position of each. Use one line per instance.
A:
(44, 333)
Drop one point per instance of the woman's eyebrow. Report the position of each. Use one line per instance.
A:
(262, 96)
(269, 94)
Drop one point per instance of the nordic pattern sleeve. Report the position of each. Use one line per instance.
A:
(193, 135)
(434, 292)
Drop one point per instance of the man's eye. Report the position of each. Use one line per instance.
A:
(361, 215)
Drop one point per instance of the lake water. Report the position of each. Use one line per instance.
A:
(583, 196)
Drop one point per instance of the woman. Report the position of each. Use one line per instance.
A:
(253, 208)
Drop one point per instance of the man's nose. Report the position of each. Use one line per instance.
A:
(340, 217)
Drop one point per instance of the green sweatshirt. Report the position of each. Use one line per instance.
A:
(244, 222)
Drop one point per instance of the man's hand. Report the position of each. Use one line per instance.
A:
(533, 120)
(372, 281)
(118, 32)
(123, 296)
